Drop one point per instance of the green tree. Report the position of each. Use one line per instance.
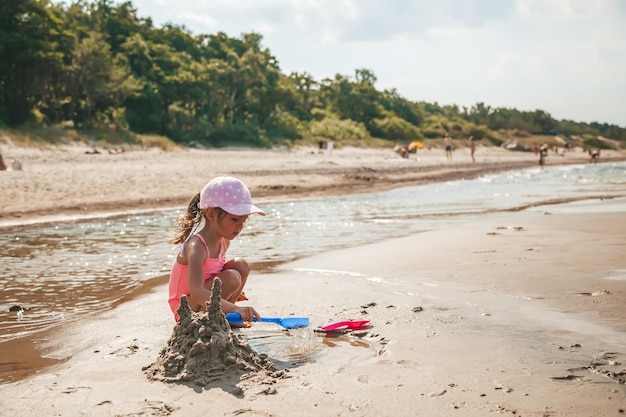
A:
(301, 95)
(28, 54)
(102, 82)
(395, 128)
(401, 107)
(357, 101)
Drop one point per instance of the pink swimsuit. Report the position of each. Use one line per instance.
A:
(179, 284)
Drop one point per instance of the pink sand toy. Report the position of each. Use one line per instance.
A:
(347, 324)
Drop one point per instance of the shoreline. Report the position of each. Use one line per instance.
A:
(64, 183)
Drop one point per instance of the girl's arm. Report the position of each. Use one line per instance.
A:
(196, 255)
(248, 314)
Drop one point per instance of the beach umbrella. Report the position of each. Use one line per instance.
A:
(416, 145)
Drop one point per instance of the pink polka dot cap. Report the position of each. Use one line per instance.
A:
(229, 194)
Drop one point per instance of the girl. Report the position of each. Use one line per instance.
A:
(220, 210)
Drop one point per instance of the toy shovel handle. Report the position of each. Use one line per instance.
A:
(236, 318)
(287, 323)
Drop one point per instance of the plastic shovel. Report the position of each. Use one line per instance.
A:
(347, 324)
(287, 322)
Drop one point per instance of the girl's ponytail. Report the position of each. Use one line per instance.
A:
(188, 221)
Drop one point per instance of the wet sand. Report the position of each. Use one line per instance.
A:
(499, 316)
(509, 314)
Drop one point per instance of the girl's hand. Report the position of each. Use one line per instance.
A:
(248, 314)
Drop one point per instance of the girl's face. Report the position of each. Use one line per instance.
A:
(229, 225)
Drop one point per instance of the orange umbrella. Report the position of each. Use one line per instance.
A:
(416, 145)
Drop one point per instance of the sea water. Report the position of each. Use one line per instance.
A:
(67, 270)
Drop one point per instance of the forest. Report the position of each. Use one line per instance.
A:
(98, 66)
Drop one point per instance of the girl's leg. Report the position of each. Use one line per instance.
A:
(240, 265)
(233, 277)
(231, 284)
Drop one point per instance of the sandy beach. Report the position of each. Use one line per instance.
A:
(64, 181)
(519, 314)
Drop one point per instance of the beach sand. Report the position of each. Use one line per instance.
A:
(519, 314)
(63, 181)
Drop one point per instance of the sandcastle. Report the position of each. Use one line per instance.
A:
(205, 351)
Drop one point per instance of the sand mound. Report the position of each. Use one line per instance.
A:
(204, 351)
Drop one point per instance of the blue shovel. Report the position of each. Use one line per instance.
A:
(287, 322)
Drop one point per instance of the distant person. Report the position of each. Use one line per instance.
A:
(329, 147)
(447, 141)
(3, 167)
(594, 156)
(320, 146)
(219, 211)
(543, 153)
(402, 151)
(16, 165)
(472, 147)
(116, 151)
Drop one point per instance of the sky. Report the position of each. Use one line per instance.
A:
(565, 57)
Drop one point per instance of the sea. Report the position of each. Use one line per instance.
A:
(55, 273)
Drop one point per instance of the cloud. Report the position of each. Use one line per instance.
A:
(342, 20)
(562, 9)
(565, 54)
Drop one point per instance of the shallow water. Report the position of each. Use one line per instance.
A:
(64, 271)
(293, 347)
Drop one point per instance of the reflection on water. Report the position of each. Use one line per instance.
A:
(293, 346)
(67, 270)
(303, 345)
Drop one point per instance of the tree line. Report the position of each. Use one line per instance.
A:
(98, 65)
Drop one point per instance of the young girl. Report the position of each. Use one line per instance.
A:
(220, 211)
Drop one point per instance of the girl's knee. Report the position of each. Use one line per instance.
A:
(241, 265)
(232, 283)
(231, 278)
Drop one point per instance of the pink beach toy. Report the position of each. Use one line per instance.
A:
(347, 324)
